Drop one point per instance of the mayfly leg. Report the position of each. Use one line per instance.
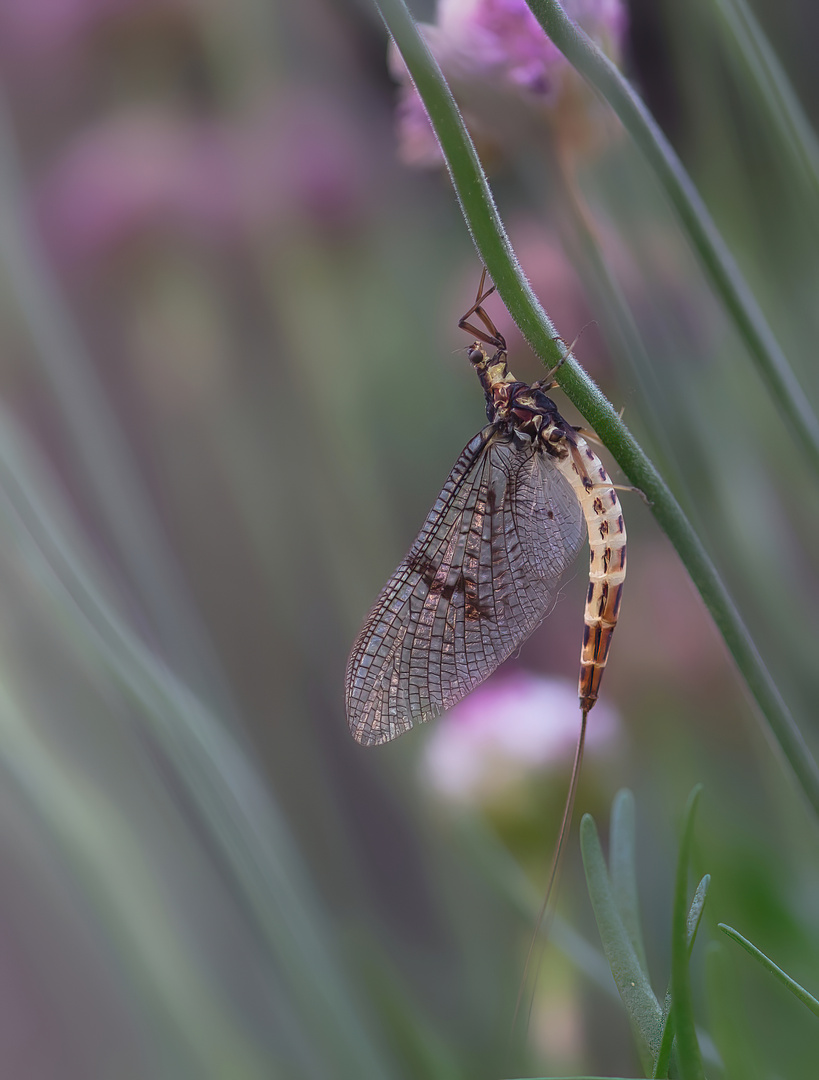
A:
(490, 335)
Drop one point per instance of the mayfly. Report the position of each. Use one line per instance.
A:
(484, 570)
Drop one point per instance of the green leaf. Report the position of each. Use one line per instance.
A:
(691, 926)
(799, 992)
(682, 931)
(692, 923)
(642, 1006)
(622, 864)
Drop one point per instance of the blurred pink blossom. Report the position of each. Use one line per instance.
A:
(43, 26)
(502, 67)
(506, 731)
(151, 171)
(136, 171)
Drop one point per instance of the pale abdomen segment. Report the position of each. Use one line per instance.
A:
(607, 563)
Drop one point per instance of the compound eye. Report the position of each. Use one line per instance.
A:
(475, 355)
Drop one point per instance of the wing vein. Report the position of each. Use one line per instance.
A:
(479, 578)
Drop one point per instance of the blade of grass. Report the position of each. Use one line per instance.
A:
(689, 1059)
(95, 441)
(250, 839)
(622, 864)
(799, 992)
(718, 262)
(191, 1032)
(774, 89)
(661, 1067)
(484, 223)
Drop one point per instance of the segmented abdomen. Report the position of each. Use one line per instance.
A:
(607, 566)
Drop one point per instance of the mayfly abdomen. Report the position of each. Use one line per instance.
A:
(607, 562)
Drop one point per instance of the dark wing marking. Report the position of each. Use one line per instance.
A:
(479, 578)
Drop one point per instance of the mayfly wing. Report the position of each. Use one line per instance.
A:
(481, 575)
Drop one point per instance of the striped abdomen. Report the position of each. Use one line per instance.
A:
(607, 567)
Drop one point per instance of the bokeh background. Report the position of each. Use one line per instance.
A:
(232, 385)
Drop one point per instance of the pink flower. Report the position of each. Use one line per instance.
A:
(134, 172)
(144, 172)
(45, 26)
(508, 730)
(523, 54)
(501, 66)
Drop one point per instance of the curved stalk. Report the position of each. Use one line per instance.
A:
(486, 227)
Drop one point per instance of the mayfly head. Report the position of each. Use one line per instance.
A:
(477, 356)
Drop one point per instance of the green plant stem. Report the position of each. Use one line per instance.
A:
(486, 227)
(718, 262)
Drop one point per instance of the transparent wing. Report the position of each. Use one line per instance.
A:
(479, 578)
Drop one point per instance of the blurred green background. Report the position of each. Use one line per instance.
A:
(232, 385)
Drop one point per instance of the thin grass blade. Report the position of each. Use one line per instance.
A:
(774, 90)
(689, 1058)
(799, 992)
(717, 260)
(663, 1063)
(249, 837)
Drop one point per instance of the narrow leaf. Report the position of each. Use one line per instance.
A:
(635, 990)
(622, 863)
(691, 926)
(798, 991)
(774, 90)
(692, 923)
(663, 1062)
(689, 1059)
